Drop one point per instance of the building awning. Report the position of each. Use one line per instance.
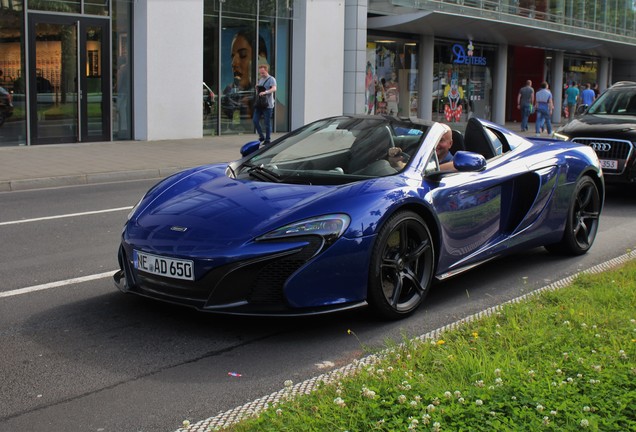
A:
(525, 31)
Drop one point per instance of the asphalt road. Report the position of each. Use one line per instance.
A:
(81, 356)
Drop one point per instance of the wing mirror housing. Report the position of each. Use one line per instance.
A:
(250, 148)
(468, 161)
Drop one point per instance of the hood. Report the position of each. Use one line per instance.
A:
(208, 205)
(600, 125)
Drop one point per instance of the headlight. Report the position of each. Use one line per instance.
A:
(561, 137)
(330, 227)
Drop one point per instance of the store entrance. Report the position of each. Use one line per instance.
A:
(68, 81)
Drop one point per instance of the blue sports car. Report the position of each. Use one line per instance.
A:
(324, 220)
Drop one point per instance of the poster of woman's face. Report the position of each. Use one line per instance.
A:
(238, 54)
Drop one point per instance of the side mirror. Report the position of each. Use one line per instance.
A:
(468, 161)
(250, 148)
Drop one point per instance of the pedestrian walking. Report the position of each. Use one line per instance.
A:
(571, 97)
(588, 95)
(544, 105)
(525, 102)
(264, 105)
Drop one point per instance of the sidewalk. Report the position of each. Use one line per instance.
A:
(43, 166)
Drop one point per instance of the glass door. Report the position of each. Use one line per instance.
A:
(68, 79)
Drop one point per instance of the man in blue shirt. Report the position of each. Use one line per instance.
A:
(588, 95)
(544, 105)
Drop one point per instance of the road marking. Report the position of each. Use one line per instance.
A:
(56, 284)
(65, 216)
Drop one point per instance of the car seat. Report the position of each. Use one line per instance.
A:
(476, 139)
(369, 148)
(458, 142)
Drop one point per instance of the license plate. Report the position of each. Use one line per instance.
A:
(609, 164)
(164, 266)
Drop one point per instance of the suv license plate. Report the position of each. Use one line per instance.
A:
(609, 164)
(164, 266)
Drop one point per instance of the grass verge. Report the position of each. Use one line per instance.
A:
(562, 360)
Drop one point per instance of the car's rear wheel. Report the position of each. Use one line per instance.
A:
(402, 264)
(582, 220)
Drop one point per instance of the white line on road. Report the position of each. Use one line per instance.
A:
(65, 216)
(56, 284)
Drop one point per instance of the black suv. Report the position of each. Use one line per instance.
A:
(609, 127)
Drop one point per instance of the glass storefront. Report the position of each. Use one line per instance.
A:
(462, 85)
(55, 74)
(391, 77)
(462, 81)
(237, 37)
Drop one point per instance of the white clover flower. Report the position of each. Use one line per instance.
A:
(437, 427)
(436, 402)
(514, 398)
(479, 402)
(401, 399)
(622, 355)
(461, 400)
(479, 383)
(430, 408)
(566, 356)
(579, 375)
(586, 408)
(498, 382)
(585, 423)
(279, 412)
(368, 393)
(531, 373)
(597, 368)
(426, 419)
(457, 393)
(583, 325)
(546, 421)
(339, 401)
(553, 413)
(413, 403)
(540, 408)
(570, 380)
(492, 413)
(566, 323)
(418, 398)
(559, 371)
(497, 372)
(448, 395)
(186, 424)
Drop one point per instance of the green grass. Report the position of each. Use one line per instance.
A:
(562, 360)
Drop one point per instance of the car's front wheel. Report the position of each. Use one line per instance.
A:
(402, 265)
(582, 219)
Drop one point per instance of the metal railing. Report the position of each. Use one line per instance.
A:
(613, 20)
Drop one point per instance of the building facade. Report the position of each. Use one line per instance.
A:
(101, 70)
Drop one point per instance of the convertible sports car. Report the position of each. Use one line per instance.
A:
(321, 221)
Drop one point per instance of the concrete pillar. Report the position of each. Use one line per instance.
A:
(425, 77)
(167, 88)
(556, 86)
(318, 78)
(499, 86)
(603, 73)
(355, 51)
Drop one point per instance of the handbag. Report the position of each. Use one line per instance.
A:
(261, 102)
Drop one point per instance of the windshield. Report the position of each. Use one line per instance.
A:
(337, 150)
(621, 101)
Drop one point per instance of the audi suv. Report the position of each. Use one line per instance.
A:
(609, 127)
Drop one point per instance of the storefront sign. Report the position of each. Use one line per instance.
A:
(461, 57)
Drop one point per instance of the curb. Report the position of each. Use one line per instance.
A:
(228, 418)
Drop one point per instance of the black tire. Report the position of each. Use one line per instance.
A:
(402, 265)
(582, 220)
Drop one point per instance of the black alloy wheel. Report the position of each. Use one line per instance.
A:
(402, 265)
(582, 220)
